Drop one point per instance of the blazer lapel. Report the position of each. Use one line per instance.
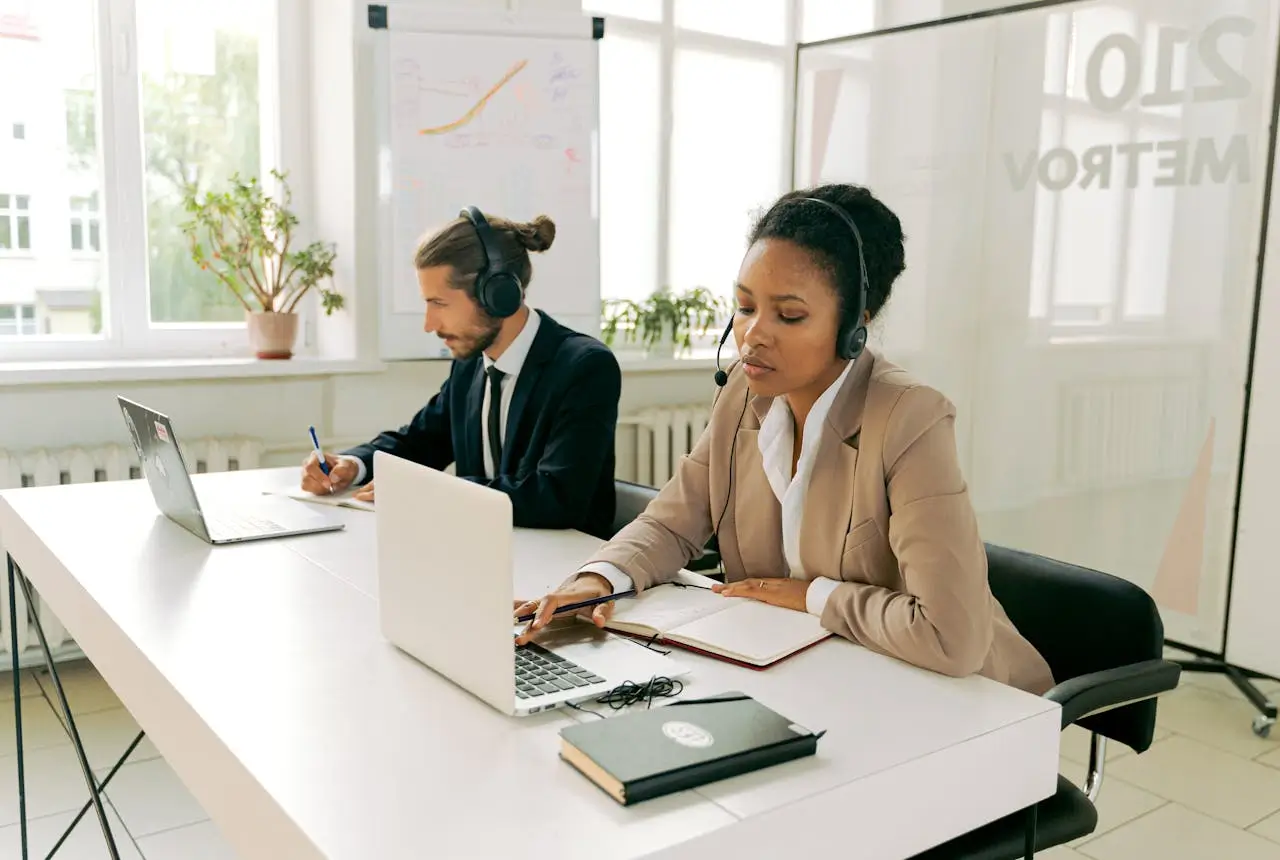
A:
(757, 515)
(541, 351)
(829, 500)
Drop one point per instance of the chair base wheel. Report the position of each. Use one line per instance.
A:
(1262, 725)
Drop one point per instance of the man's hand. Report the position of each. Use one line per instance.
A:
(787, 593)
(586, 586)
(341, 473)
(365, 493)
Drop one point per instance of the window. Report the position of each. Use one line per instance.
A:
(15, 222)
(831, 19)
(85, 230)
(200, 117)
(17, 320)
(153, 96)
(1101, 255)
(694, 122)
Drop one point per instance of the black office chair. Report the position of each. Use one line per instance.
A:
(1107, 683)
(631, 500)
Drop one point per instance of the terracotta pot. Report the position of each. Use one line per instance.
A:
(272, 335)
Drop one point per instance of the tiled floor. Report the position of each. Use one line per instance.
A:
(1208, 789)
(152, 815)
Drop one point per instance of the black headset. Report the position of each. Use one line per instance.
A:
(852, 337)
(498, 291)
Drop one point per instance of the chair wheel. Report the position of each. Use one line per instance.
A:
(1262, 726)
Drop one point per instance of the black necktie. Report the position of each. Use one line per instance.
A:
(495, 417)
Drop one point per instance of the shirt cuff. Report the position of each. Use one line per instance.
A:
(815, 598)
(360, 469)
(619, 580)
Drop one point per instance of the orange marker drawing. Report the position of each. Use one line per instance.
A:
(478, 106)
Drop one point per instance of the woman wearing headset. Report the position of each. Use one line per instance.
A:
(829, 475)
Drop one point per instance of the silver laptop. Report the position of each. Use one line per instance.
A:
(252, 518)
(446, 574)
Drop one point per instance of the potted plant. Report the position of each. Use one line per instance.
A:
(245, 238)
(664, 320)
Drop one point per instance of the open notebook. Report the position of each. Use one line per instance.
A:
(345, 499)
(735, 629)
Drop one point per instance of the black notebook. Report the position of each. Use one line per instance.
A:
(650, 753)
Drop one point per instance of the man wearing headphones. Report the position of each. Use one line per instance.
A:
(530, 407)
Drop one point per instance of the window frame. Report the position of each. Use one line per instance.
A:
(128, 332)
(12, 213)
(668, 37)
(20, 316)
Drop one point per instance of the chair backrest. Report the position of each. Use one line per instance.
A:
(1082, 621)
(630, 502)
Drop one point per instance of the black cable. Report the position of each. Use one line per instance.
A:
(728, 494)
(627, 694)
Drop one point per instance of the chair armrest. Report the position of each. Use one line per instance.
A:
(1110, 688)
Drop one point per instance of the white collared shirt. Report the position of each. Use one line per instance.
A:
(776, 440)
(511, 362)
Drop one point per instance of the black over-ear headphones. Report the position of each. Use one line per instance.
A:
(852, 336)
(498, 291)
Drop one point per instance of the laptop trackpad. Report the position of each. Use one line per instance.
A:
(615, 658)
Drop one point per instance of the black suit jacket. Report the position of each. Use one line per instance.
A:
(558, 455)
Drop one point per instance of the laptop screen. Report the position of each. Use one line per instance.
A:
(157, 448)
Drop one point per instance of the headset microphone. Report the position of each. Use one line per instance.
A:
(721, 377)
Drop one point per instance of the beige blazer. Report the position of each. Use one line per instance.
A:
(887, 513)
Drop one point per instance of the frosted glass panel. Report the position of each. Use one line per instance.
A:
(1081, 189)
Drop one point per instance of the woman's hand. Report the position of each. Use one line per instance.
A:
(586, 586)
(787, 593)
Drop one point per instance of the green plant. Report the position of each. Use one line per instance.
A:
(243, 237)
(679, 316)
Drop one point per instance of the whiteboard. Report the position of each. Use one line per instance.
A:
(505, 121)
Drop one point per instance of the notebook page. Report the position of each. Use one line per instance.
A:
(345, 499)
(666, 607)
(752, 630)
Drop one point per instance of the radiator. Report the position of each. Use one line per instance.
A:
(41, 468)
(651, 442)
(1125, 431)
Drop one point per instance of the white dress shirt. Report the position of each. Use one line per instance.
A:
(510, 363)
(776, 441)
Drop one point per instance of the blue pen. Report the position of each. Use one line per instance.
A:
(324, 467)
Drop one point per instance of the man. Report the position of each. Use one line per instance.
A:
(530, 407)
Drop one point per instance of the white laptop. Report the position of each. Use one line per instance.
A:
(253, 517)
(446, 574)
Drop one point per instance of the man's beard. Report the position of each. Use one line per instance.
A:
(471, 345)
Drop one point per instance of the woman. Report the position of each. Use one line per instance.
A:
(829, 475)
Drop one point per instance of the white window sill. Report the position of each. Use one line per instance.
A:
(73, 372)
(699, 359)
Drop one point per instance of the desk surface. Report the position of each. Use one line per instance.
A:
(259, 672)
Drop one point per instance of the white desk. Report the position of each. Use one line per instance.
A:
(259, 672)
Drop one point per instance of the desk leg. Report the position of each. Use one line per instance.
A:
(89, 779)
(17, 702)
(1030, 844)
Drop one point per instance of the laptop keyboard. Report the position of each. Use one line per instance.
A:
(238, 525)
(540, 672)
